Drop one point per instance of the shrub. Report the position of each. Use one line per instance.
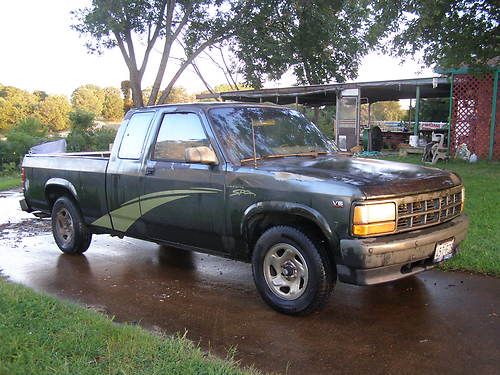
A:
(83, 137)
(78, 141)
(24, 135)
(9, 169)
(81, 120)
(102, 139)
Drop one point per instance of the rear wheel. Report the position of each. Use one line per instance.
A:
(292, 272)
(68, 228)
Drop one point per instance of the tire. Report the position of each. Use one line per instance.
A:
(292, 272)
(68, 228)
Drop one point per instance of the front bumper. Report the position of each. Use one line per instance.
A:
(381, 259)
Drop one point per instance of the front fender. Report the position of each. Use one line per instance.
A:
(290, 208)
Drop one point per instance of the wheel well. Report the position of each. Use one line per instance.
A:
(258, 224)
(53, 192)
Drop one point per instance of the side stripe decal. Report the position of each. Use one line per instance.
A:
(122, 218)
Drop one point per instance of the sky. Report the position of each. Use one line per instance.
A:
(39, 51)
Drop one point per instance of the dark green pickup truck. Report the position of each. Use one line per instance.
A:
(257, 183)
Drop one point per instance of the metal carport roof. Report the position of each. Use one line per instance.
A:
(318, 95)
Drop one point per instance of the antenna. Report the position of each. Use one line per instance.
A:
(254, 151)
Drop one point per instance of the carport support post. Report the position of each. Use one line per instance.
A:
(417, 110)
(369, 126)
(450, 112)
(493, 115)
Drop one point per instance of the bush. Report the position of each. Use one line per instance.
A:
(81, 120)
(9, 169)
(24, 135)
(102, 139)
(78, 141)
(83, 138)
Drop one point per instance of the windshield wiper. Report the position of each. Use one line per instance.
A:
(314, 154)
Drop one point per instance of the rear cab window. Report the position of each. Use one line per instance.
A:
(135, 135)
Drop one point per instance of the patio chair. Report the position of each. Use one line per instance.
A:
(438, 149)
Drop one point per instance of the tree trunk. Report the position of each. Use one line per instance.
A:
(161, 71)
(135, 87)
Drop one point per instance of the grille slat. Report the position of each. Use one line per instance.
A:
(420, 211)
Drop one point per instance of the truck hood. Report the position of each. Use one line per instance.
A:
(375, 178)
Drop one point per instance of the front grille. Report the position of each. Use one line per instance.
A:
(428, 209)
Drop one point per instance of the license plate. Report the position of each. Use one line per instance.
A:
(444, 250)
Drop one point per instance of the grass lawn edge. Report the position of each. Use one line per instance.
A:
(9, 182)
(42, 334)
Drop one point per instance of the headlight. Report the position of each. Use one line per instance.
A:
(371, 219)
(463, 200)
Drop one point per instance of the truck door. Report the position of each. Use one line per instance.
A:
(183, 202)
(125, 173)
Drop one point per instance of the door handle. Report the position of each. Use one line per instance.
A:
(150, 171)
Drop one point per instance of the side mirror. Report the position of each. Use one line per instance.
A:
(202, 155)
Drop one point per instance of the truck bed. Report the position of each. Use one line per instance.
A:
(84, 171)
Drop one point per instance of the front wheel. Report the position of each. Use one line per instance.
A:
(68, 228)
(292, 272)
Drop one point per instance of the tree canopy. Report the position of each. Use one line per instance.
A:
(448, 33)
(106, 104)
(112, 106)
(319, 41)
(198, 24)
(53, 112)
(15, 105)
(88, 98)
(383, 111)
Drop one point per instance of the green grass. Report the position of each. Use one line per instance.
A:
(42, 335)
(480, 252)
(9, 182)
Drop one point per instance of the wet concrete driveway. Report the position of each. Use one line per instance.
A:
(434, 323)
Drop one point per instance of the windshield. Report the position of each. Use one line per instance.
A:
(278, 132)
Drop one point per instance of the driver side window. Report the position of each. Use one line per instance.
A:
(179, 131)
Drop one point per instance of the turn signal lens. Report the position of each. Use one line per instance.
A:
(374, 213)
(368, 229)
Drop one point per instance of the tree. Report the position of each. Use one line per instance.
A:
(319, 41)
(223, 87)
(226, 87)
(15, 105)
(81, 120)
(80, 137)
(179, 95)
(382, 111)
(435, 109)
(53, 112)
(127, 96)
(88, 98)
(323, 118)
(448, 33)
(83, 136)
(112, 107)
(40, 94)
(199, 23)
